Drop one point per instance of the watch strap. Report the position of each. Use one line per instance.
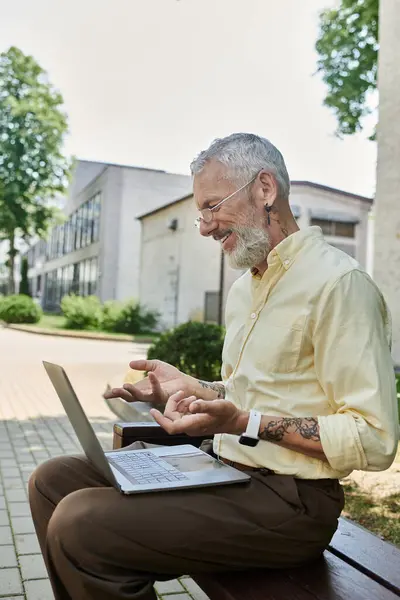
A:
(253, 425)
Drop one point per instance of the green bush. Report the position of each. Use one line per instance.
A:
(111, 314)
(19, 308)
(194, 348)
(81, 312)
(134, 318)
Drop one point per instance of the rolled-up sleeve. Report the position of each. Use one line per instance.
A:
(352, 337)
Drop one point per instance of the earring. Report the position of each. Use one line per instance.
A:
(268, 209)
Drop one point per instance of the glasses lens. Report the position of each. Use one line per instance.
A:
(207, 215)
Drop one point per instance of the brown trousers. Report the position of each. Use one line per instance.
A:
(101, 545)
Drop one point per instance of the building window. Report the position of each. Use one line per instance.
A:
(93, 277)
(96, 218)
(80, 230)
(335, 228)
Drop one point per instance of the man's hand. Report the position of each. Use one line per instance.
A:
(163, 380)
(199, 417)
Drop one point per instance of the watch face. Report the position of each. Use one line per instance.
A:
(248, 441)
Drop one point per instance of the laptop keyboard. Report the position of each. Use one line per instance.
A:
(146, 468)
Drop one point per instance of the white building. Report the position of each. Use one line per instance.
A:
(181, 272)
(96, 250)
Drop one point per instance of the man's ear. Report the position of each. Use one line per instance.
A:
(269, 188)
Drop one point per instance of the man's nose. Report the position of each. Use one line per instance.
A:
(207, 229)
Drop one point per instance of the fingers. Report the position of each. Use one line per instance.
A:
(143, 365)
(202, 406)
(155, 386)
(169, 426)
(211, 407)
(183, 405)
(135, 393)
(177, 397)
(119, 393)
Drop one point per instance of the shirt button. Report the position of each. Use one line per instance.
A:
(253, 315)
(286, 261)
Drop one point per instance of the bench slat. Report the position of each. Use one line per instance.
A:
(251, 585)
(337, 579)
(378, 559)
(328, 578)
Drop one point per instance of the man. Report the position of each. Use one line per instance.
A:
(307, 378)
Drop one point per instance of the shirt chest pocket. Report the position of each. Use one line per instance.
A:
(275, 348)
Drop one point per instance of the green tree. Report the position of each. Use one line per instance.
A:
(348, 46)
(24, 283)
(33, 168)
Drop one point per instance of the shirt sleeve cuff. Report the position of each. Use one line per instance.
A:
(341, 442)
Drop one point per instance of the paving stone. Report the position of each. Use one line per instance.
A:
(8, 557)
(38, 589)
(10, 581)
(3, 518)
(10, 472)
(168, 587)
(27, 465)
(2, 503)
(21, 525)
(15, 483)
(19, 509)
(6, 535)
(27, 543)
(194, 589)
(6, 454)
(32, 567)
(16, 495)
(8, 462)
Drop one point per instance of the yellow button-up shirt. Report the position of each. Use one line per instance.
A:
(311, 338)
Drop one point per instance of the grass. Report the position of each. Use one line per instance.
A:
(379, 515)
(57, 322)
(52, 322)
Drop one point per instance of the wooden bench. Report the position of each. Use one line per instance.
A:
(357, 565)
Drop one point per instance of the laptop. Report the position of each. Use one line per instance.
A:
(145, 470)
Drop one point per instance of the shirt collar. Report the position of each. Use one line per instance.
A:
(286, 251)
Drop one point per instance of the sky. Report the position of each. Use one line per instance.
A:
(152, 82)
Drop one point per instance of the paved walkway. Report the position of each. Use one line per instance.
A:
(33, 427)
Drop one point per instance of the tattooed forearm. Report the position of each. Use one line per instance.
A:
(275, 431)
(219, 388)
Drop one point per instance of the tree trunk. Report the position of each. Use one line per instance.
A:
(11, 263)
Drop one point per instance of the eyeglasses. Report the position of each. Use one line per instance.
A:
(206, 214)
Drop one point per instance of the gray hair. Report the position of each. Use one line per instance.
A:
(245, 154)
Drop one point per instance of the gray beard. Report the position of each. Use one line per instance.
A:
(252, 247)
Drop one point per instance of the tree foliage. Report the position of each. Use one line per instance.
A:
(347, 46)
(32, 166)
